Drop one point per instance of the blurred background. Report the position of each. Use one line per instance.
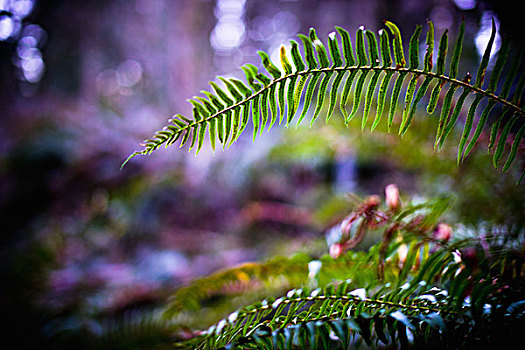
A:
(83, 82)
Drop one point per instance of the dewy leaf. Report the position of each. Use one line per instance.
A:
(319, 47)
(335, 53)
(362, 59)
(385, 48)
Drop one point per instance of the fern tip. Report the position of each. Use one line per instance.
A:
(129, 158)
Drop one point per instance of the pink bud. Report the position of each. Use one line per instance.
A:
(392, 196)
(443, 232)
(336, 250)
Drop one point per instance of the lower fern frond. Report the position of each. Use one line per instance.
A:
(411, 288)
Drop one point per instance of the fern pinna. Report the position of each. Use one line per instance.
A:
(226, 111)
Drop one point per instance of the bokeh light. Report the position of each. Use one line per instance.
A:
(28, 56)
(7, 27)
(465, 4)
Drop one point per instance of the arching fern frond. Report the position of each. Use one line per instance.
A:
(225, 112)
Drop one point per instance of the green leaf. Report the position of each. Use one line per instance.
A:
(372, 85)
(284, 61)
(319, 48)
(398, 44)
(411, 89)
(268, 64)
(502, 141)
(348, 51)
(454, 62)
(357, 95)
(346, 93)
(413, 48)
(308, 97)
(427, 61)
(296, 57)
(395, 97)
(335, 53)
(333, 93)
(255, 115)
(291, 99)
(308, 51)
(514, 148)
(372, 48)
(468, 125)
(455, 113)
(420, 93)
(381, 97)
(362, 59)
(480, 75)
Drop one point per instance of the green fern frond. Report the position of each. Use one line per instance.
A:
(346, 312)
(225, 112)
(434, 303)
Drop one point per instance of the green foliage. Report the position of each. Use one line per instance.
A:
(226, 112)
(411, 288)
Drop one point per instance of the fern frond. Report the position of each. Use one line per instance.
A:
(225, 112)
(433, 304)
(346, 312)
